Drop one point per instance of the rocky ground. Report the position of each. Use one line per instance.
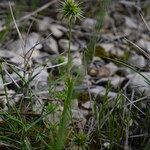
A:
(125, 35)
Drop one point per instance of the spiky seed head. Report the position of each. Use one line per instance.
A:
(71, 9)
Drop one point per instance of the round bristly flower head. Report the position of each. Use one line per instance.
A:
(71, 10)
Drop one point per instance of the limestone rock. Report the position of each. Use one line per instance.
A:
(50, 46)
(64, 44)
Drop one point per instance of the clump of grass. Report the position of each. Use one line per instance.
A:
(115, 121)
(80, 140)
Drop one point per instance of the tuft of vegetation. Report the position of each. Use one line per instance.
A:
(111, 123)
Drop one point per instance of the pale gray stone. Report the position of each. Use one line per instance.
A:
(57, 30)
(116, 81)
(14, 76)
(139, 84)
(145, 44)
(77, 59)
(19, 60)
(43, 25)
(64, 44)
(117, 52)
(101, 91)
(137, 60)
(88, 105)
(1, 84)
(6, 53)
(131, 23)
(19, 47)
(40, 81)
(107, 46)
(89, 23)
(78, 115)
(50, 46)
(112, 68)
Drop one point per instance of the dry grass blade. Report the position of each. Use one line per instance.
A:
(57, 65)
(134, 104)
(145, 22)
(11, 77)
(32, 48)
(20, 36)
(126, 145)
(141, 50)
(135, 101)
(6, 146)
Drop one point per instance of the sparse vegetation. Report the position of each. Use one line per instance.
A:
(67, 114)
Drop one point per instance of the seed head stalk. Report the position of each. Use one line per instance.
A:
(69, 49)
(71, 11)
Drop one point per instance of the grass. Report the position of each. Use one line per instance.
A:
(120, 123)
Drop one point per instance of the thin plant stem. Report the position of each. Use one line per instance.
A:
(69, 49)
(66, 114)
